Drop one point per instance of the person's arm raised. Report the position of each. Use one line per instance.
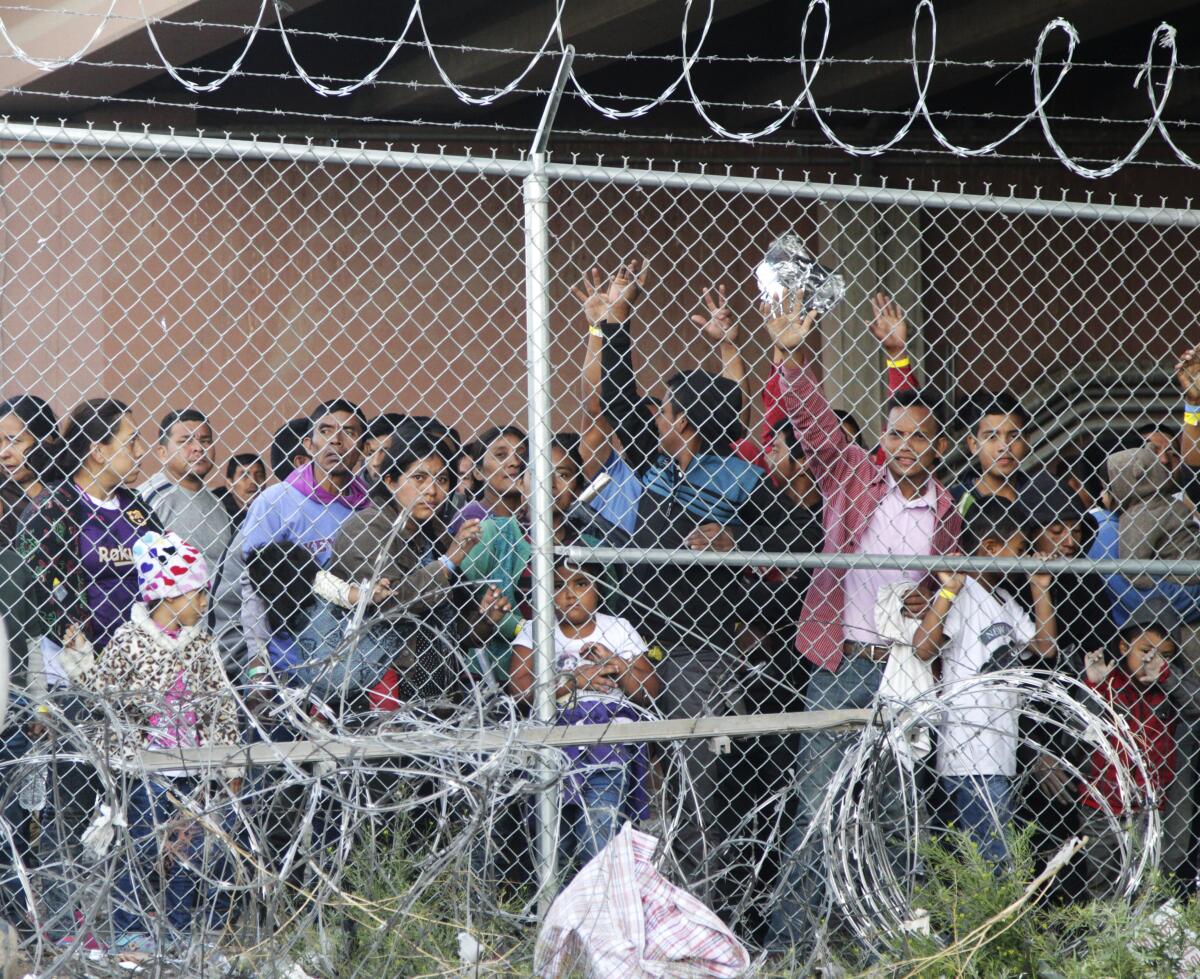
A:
(830, 454)
(889, 326)
(722, 329)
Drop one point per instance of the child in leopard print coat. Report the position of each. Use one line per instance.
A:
(165, 689)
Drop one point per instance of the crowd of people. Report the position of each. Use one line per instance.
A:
(389, 560)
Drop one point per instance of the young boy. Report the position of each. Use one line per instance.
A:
(164, 683)
(604, 675)
(978, 627)
(178, 496)
(997, 441)
(1136, 684)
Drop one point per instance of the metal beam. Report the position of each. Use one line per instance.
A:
(598, 25)
(532, 737)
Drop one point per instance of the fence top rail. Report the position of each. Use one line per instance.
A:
(175, 145)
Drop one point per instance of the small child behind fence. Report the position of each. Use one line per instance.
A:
(604, 675)
(165, 686)
(977, 626)
(1137, 684)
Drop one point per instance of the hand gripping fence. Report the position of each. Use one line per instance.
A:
(798, 595)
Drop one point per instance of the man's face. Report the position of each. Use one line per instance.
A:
(999, 445)
(1059, 540)
(336, 444)
(787, 468)
(1167, 449)
(15, 445)
(187, 450)
(910, 442)
(247, 483)
(670, 425)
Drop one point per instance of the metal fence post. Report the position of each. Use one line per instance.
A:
(537, 319)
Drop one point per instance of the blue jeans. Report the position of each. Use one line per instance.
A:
(820, 754)
(591, 825)
(180, 890)
(981, 805)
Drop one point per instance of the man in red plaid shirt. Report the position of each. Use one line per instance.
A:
(889, 503)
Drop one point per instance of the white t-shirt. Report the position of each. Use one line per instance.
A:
(979, 731)
(609, 631)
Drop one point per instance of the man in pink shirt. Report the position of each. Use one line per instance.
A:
(895, 507)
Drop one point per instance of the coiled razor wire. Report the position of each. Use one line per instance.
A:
(280, 850)
(873, 859)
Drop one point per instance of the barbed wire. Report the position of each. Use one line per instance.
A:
(616, 108)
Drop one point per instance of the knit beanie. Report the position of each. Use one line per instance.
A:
(168, 566)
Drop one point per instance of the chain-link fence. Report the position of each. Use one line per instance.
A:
(398, 406)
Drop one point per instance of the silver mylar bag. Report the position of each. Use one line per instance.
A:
(789, 268)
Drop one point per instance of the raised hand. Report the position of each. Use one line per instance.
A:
(1187, 375)
(614, 301)
(889, 326)
(624, 291)
(788, 322)
(1096, 667)
(719, 325)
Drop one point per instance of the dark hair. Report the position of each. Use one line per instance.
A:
(993, 403)
(473, 450)
(847, 418)
(992, 517)
(172, 418)
(286, 444)
(1167, 428)
(787, 431)
(94, 422)
(243, 460)
(282, 575)
(916, 398)
(1137, 627)
(334, 406)
(489, 435)
(410, 444)
(39, 421)
(589, 568)
(569, 443)
(385, 425)
(712, 406)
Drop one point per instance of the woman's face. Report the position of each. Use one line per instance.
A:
(502, 467)
(123, 454)
(423, 488)
(15, 446)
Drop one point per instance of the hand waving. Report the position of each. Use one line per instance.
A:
(889, 326)
(719, 326)
(616, 301)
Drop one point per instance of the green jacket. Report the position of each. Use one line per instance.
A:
(500, 558)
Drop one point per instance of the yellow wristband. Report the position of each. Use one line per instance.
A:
(595, 331)
(898, 364)
(1191, 418)
(947, 594)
